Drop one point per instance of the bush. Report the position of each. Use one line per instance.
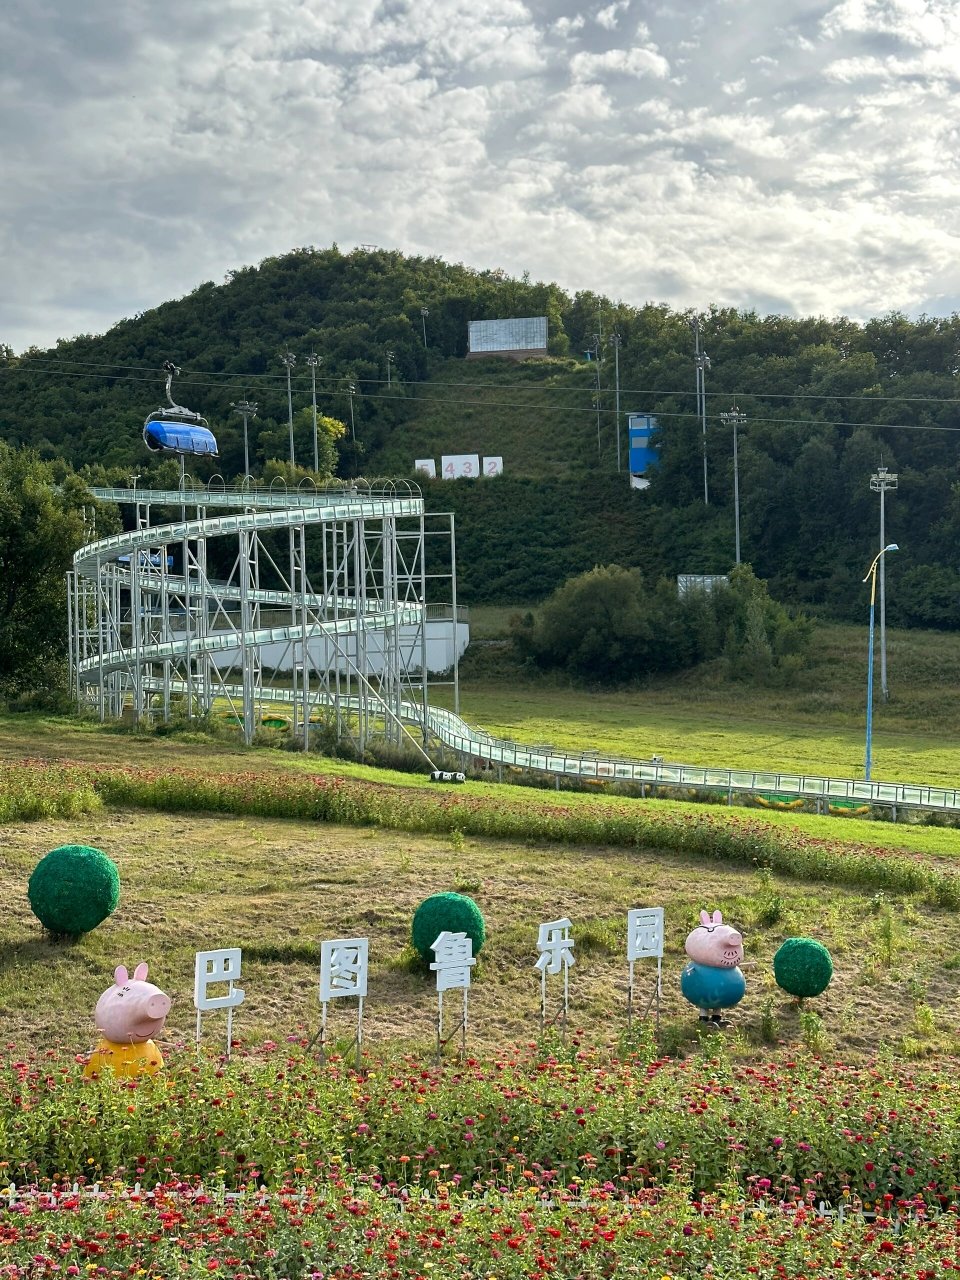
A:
(73, 889)
(451, 911)
(803, 967)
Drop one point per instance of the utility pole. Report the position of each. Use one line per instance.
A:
(424, 312)
(313, 360)
(735, 419)
(248, 409)
(702, 362)
(880, 482)
(289, 360)
(615, 342)
(351, 389)
(389, 354)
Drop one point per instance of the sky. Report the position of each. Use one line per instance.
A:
(784, 156)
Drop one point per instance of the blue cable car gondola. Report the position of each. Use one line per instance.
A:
(175, 429)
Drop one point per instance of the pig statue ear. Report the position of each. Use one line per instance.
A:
(717, 918)
(120, 975)
(140, 972)
(705, 918)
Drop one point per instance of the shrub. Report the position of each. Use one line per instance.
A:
(803, 967)
(452, 911)
(73, 889)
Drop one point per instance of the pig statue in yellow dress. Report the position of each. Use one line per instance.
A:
(129, 1014)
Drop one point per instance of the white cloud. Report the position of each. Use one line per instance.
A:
(609, 17)
(807, 159)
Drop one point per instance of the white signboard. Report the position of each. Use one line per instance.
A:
(493, 466)
(454, 952)
(528, 333)
(215, 967)
(343, 968)
(426, 467)
(460, 466)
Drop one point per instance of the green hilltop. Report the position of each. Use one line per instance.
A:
(825, 402)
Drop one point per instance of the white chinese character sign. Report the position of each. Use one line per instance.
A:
(343, 972)
(645, 942)
(556, 955)
(454, 960)
(213, 968)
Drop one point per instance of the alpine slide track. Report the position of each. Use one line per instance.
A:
(308, 608)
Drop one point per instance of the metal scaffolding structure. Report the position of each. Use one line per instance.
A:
(312, 601)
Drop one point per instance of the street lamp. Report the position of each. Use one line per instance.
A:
(313, 361)
(424, 312)
(702, 363)
(736, 418)
(880, 482)
(289, 360)
(872, 576)
(247, 409)
(389, 358)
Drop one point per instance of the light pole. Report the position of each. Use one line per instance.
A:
(872, 577)
(289, 360)
(880, 483)
(702, 362)
(615, 342)
(351, 388)
(247, 409)
(390, 356)
(735, 418)
(597, 356)
(424, 312)
(313, 360)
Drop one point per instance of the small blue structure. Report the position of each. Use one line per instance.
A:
(643, 454)
(175, 429)
(166, 435)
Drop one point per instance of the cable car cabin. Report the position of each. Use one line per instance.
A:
(169, 436)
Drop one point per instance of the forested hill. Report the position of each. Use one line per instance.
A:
(825, 402)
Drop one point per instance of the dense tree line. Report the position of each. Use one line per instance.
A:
(611, 626)
(824, 402)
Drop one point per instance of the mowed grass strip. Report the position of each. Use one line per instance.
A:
(276, 888)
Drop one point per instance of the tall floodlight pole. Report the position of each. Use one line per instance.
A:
(597, 349)
(702, 363)
(289, 360)
(880, 482)
(351, 389)
(872, 579)
(735, 419)
(390, 356)
(313, 360)
(615, 342)
(424, 312)
(247, 409)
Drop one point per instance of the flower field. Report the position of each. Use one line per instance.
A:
(340, 1232)
(32, 789)
(527, 1166)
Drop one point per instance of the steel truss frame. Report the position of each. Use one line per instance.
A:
(322, 610)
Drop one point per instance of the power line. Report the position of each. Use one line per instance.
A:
(422, 382)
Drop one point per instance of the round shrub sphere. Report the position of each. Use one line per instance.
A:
(73, 889)
(454, 912)
(802, 967)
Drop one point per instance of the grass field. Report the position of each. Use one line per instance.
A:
(817, 726)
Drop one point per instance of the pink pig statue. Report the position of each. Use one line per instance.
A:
(128, 1015)
(712, 980)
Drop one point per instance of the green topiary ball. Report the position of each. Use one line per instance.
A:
(452, 911)
(802, 967)
(73, 889)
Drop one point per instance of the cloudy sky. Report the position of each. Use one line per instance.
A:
(794, 156)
